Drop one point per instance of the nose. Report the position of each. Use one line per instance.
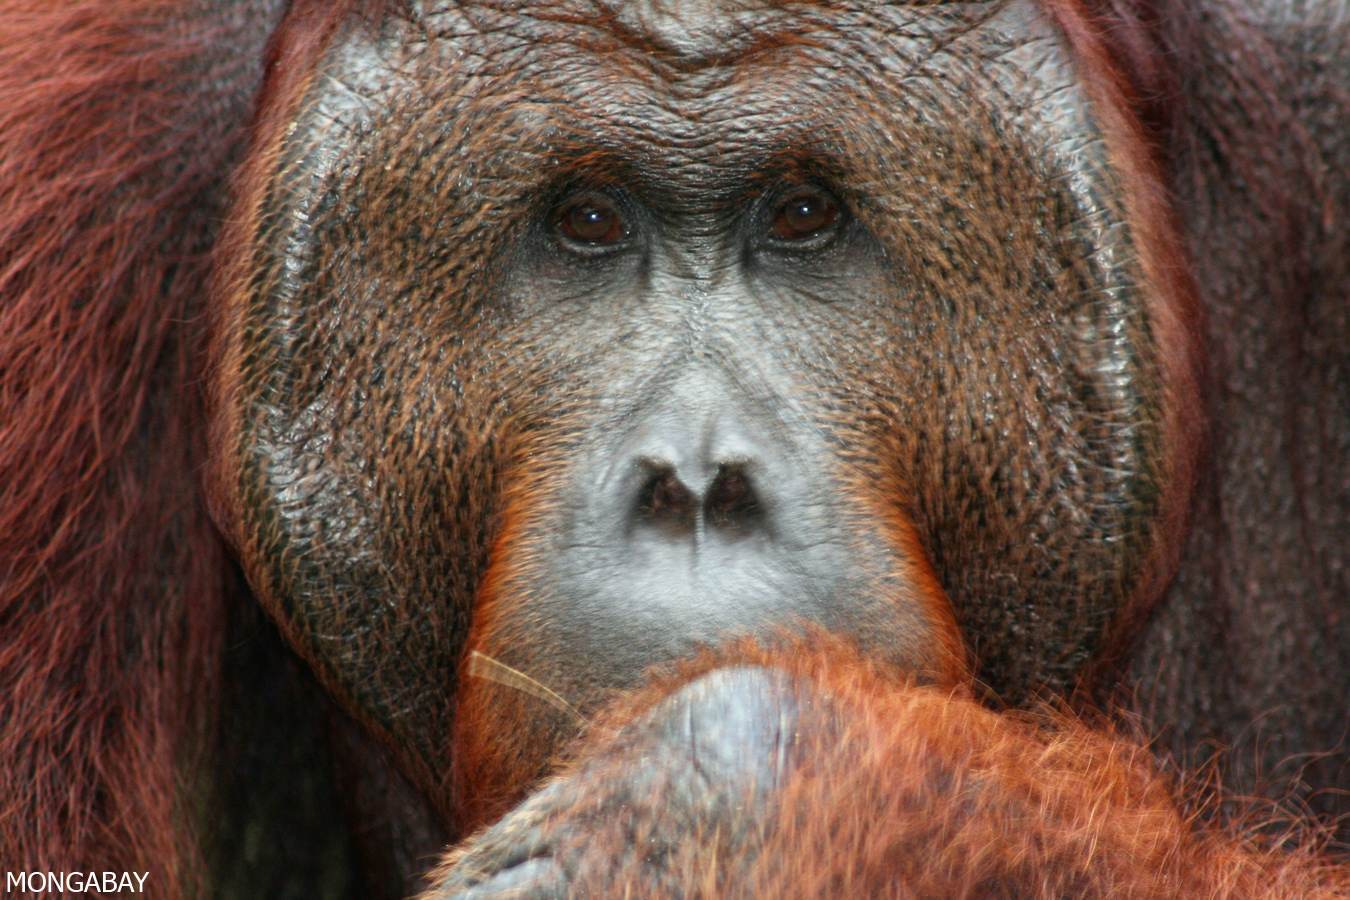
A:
(691, 478)
(668, 503)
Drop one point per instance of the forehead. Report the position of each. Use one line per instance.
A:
(454, 121)
(681, 80)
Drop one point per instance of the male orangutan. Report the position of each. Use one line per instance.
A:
(388, 384)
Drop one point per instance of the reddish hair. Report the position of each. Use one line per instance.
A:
(896, 791)
(118, 120)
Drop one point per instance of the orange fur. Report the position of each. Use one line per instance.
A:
(901, 791)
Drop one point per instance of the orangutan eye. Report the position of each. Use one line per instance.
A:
(590, 221)
(805, 215)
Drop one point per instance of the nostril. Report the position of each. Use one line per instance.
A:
(664, 500)
(732, 503)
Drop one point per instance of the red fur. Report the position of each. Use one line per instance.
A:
(112, 580)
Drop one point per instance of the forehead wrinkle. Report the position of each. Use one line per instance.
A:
(707, 129)
(680, 36)
(747, 113)
(892, 38)
(688, 158)
(551, 38)
(782, 55)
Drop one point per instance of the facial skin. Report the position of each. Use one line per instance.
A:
(582, 338)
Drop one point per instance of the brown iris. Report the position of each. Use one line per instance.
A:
(591, 220)
(805, 215)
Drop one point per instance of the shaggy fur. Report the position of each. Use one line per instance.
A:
(118, 122)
